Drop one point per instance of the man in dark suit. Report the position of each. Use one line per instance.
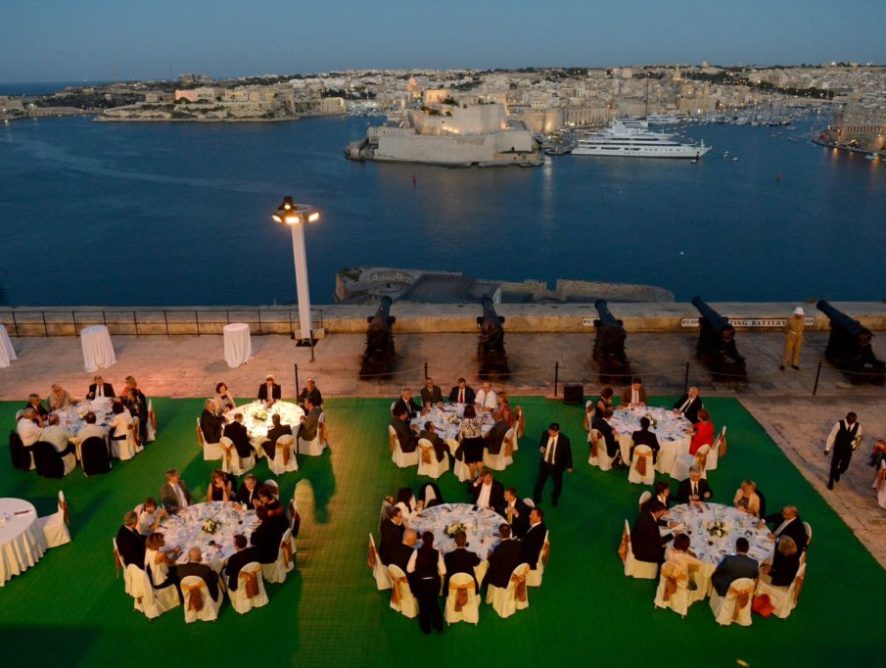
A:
(735, 566)
(516, 513)
(35, 402)
(400, 553)
(506, 556)
(269, 391)
(689, 404)
(534, 540)
(635, 395)
(408, 438)
(248, 492)
(174, 493)
(100, 388)
(493, 439)
(647, 542)
(276, 431)
(461, 393)
(602, 425)
(267, 535)
(392, 530)
(461, 560)
(694, 489)
(196, 567)
(662, 494)
(430, 393)
(645, 437)
(130, 543)
(556, 457)
(430, 433)
(487, 492)
(788, 523)
(310, 421)
(312, 392)
(211, 422)
(407, 403)
(238, 560)
(236, 431)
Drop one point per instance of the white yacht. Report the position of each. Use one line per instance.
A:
(633, 139)
(662, 119)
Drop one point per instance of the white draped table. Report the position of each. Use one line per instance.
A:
(21, 538)
(7, 352)
(71, 418)
(257, 418)
(674, 433)
(238, 344)
(447, 419)
(480, 526)
(97, 349)
(190, 528)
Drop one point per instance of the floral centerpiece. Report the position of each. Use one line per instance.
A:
(718, 529)
(209, 526)
(453, 419)
(456, 527)
(652, 421)
(260, 415)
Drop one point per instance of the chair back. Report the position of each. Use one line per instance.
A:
(701, 457)
(21, 458)
(227, 446)
(401, 585)
(642, 460)
(518, 580)
(644, 497)
(284, 448)
(797, 584)
(461, 587)
(507, 444)
(286, 547)
(47, 460)
(596, 441)
(808, 528)
(63, 507)
(194, 592)
(720, 444)
(250, 579)
(519, 421)
(294, 518)
(742, 590)
(94, 456)
(427, 451)
(393, 441)
(624, 547)
(118, 560)
(201, 439)
(372, 553)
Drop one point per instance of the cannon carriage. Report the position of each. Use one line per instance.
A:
(491, 344)
(609, 345)
(716, 344)
(378, 360)
(849, 347)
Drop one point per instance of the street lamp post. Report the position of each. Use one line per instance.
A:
(296, 216)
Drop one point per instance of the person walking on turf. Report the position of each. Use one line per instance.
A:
(556, 457)
(843, 439)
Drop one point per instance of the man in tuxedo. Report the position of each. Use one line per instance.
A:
(788, 523)
(516, 513)
(534, 539)
(174, 494)
(688, 405)
(392, 530)
(269, 391)
(647, 542)
(276, 431)
(312, 392)
(845, 436)
(268, 534)
(406, 403)
(211, 422)
(100, 388)
(248, 492)
(130, 543)
(430, 433)
(36, 403)
(236, 431)
(400, 554)
(602, 425)
(556, 457)
(310, 421)
(487, 492)
(635, 395)
(430, 393)
(196, 567)
(461, 393)
(645, 437)
(735, 566)
(408, 438)
(506, 556)
(662, 494)
(493, 439)
(238, 560)
(694, 489)
(460, 560)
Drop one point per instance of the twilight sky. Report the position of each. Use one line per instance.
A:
(69, 40)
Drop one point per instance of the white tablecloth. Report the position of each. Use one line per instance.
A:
(481, 526)
(697, 522)
(257, 418)
(21, 538)
(238, 344)
(447, 420)
(674, 433)
(7, 352)
(97, 349)
(185, 530)
(71, 417)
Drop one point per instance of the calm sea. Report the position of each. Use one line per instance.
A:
(147, 214)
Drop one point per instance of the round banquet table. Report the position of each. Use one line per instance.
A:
(238, 344)
(674, 433)
(71, 418)
(257, 419)
(481, 526)
(21, 538)
(7, 352)
(185, 530)
(447, 419)
(97, 349)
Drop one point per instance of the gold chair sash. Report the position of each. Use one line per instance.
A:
(392, 442)
(195, 596)
(152, 416)
(324, 432)
(669, 573)
(595, 445)
(250, 584)
(63, 506)
(881, 479)
(521, 421)
(286, 452)
(545, 553)
(701, 460)
(286, 548)
(118, 563)
(396, 595)
(642, 462)
(519, 581)
(200, 440)
(426, 455)
(509, 447)
(461, 594)
(371, 557)
(798, 587)
(670, 588)
(742, 598)
(625, 544)
(228, 455)
(721, 446)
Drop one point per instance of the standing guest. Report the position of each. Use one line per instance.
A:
(635, 395)
(407, 403)
(647, 542)
(242, 556)
(694, 489)
(461, 560)
(58, 398)
(645, 437)
(391, 534)
(54, 433)
(268, 534)
(223, 398)
(219, 487)
(785, 563)
(746, 498)
(40, 411)
(793, 339)
(487, 492)
(504, 407)
(556, 457)
(843, 439)
(312, 392)
(276, 431)
(236, 431)
(788, 523)
(120, 422)
(211, 422)
(400, 553)
(494, 438)
(130, 543)
(149, 516)
(470, 438)
(174, 494)
(426, 567)
(430, 433)
(195, 567)
(407, 437)
(99, 389)
(702, 432)
(689, 405)
(516, 512)
(138, 406)
(28, 428)
(735, 566)
(603, 425)
(269, 391)
(534, 540)
(431, 394)
(461, 393)
(506, 556)
(248, 492)
(486, 399)
(160, 563)
(90, 429)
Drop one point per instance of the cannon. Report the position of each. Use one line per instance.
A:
(849, 347)
(716, 343)
(378, 360)
(491, 345)
(609, 344)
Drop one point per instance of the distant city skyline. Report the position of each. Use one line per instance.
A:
(54, 40)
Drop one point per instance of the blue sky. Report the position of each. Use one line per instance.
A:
(66, 40)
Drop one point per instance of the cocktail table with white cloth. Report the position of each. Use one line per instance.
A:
(211, 527)
(21, 539)
(674, 433)
(97, 349)
(7, 352)
(480, 526)
(238, 344)
(71, 418)
(257, 419)
(447, 421)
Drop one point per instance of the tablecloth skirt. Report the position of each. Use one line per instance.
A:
(97, 349)
(238, 344)
(7, 352)
(22, 552)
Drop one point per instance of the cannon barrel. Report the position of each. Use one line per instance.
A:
(609, 343)
(715, 320)
(378, 360)
(837, 317)
(606, 317)
(849, 347)
(383, 314)
(489, 314)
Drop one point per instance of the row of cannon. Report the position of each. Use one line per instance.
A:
(848, 349)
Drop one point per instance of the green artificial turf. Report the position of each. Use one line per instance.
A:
(71, 610)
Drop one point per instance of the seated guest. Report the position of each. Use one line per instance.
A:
(160, 563)
(408, 438)
(407, 504)
(149, 516)
(174, 494)
(602, 425)
(130, 543)
(635, 395)
(269, 391)
(645, 437)
(392, 530)
(400, 554)
(211, 422)
(39, 409)
(28, 428)
(236, 431)
(662, 494)
(788, 523)
(688, 405)
(248, 492)
(516, 513)
(680, 554)
(243, 555)
(224, 401)
(99, 389)
(494, 438)
(196, 567)
(276, 431)
(58, 398)
(219, 487)
(120, 422)
(312, 392)
(470, 438)
(735, 566)
(647, 542)
(137, 403)
(54, 433)
(746, 498)
(461, 560)
(440, 446)
(269, 501)
(461, 393)
(425, 568)
(506, 556)
(487, 492)
(268, 534)
(534, 540)
(486, 400)
(702, 432)
(694, 489)
(785, 563)
(603, 403)
(91, 429)
(310, 421)
(407, 403)
(430, 393)
(429, 493)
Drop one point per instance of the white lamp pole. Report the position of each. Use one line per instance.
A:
(296, 216)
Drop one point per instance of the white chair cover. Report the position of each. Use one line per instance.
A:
(505, 456)
(673, 589)
(461, 470)
(152, 422)
(55, 526)
(714, 453)
(427, 460)
(232, 462)
(512, 598)
(533, 579)
(642, 459)
(783, 599)
(643, 570)
(284, 456)
(461, 586)
(133, 584)
(736, 605)
(808, 528)
(276, 572)
(402, 599)
(7, 352)
(157, 601)
(128, 447)
(314, 447)
(598, 455)
(682, 464)
(644, 497)
(379, 572)
(198, 603)
(211, 451)
(400, 458)
(243, 600)
(70, 462)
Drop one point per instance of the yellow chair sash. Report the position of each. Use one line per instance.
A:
(521, 421)
(426, 455)
(371, 557)
(798, 586)
(625, 544)
(721, 446)
(195, 596)
(286, 452)
(519, 581)
(545, 553)
(396, 595)
(63, 506)
(461, 594)
(392, 442)
(200, 440)
(642, 462)
(286, 548)
(742, 598)
(509, 447)
(250, 584)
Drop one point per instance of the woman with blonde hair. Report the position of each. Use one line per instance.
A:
(785, 563)
(746, 498)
